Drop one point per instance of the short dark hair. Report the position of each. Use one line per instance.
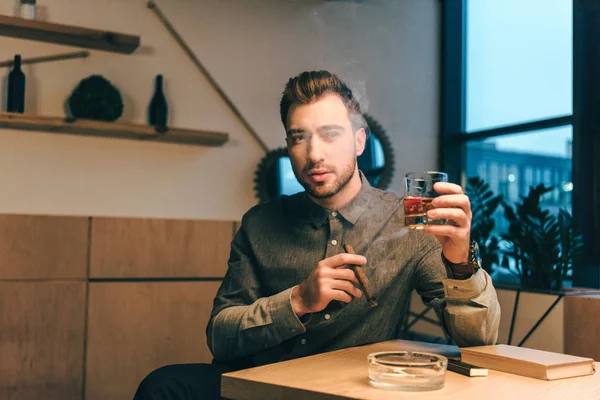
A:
(310, 86)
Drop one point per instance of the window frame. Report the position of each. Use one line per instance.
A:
(586, 102)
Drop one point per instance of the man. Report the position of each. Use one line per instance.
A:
(287, 292)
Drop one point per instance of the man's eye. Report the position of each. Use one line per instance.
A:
(331, 134)
(297, 138)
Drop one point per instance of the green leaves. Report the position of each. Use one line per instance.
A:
(539, 247)
(483, 206)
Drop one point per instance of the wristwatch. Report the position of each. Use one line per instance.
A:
(471, 266)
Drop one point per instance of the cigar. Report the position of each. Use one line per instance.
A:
(362, 278)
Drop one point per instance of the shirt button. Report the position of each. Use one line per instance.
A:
(334, 214)
(334, 242)
(303, 341)
(327, 316)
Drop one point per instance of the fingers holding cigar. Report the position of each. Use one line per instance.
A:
(328, 282)
(361, 277)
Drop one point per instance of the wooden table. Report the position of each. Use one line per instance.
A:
(343, 374)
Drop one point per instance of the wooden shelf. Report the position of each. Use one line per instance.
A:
(67, 35)
(110, 129)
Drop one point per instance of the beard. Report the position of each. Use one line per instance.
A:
(324, 190)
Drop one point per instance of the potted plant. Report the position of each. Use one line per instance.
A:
(540, 248)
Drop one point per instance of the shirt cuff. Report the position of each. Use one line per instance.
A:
(284, 318)
(465, 289)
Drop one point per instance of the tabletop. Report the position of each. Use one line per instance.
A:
(343, 374)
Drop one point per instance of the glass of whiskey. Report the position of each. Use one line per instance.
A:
(418, 195)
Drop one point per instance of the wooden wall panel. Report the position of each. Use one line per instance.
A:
(39, 246)
(130, 247)
(422, 326)
(582, 326)
(507, 298)
(549, 335)
(41, 340)
(135, 328)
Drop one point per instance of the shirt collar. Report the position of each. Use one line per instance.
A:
(359, 204)
(350, 212)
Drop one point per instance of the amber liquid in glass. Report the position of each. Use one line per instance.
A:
(415, 212)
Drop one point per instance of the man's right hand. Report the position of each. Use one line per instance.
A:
(327, 282)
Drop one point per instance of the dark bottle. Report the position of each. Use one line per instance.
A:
(157, 110)
(16, 88)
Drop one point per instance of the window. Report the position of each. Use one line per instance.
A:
(512, 159)
(508, 101)
(519, 61)
(519, 70)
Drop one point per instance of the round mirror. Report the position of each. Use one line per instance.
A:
(274, 174)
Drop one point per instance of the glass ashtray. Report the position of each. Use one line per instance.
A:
(405, 370)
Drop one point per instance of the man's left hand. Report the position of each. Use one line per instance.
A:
(454, 206)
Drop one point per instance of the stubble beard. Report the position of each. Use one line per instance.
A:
(324, 190)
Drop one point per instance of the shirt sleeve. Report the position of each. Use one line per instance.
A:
(469, 308)
(243, 321)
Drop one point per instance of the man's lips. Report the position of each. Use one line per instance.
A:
(318, 175)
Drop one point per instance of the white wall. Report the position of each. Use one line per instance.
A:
(386, 50)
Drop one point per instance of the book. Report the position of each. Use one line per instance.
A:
(533, 363)
(466, 369)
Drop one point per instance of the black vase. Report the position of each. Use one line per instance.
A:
(95, 98)
(157, 110)
(16, 88)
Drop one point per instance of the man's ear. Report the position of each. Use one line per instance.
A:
(361, 139)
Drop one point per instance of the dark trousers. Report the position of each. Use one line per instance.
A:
(183, 382)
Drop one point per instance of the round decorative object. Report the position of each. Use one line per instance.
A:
(379, 174)
(265, 177)
(377, 164)
(96, 98)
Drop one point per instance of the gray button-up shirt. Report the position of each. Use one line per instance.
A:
(281, 241)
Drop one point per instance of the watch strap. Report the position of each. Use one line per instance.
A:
(469, 267)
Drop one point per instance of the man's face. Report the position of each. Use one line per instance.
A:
(322, 146)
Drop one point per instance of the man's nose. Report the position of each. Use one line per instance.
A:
(316, 149)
